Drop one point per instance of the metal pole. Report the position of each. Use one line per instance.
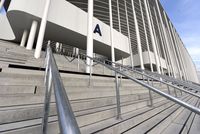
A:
(168, 89)
(175, 92)
(78, 62)
(150, 99)
(117, 96)
(48, 84)
(120, 68)
(90, 77)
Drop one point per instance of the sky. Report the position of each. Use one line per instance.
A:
(185, 15)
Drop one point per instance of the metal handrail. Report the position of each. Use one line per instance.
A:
(174, 99)
(157, 79)
(66, 118)
(179, 82)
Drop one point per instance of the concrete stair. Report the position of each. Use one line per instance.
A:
(22, 95)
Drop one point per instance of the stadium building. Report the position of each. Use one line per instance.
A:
(137, 34)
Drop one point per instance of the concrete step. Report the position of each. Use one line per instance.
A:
(28, 126)
(135, 120)
(156, 120)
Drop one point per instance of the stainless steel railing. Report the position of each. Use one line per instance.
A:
(117, 69)
(66, 118)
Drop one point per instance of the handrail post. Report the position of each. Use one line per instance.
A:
(120, 68)
(168, 89)
(90, 77)
(48, 83)
(78, 62)
(175, 92)
(150, 98)
(150, 94)
(117, 96)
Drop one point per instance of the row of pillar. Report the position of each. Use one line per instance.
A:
(167, 35)
(29, 37)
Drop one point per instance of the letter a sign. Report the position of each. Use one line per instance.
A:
(97, 30)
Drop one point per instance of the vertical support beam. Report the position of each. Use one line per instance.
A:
(111, 32)
(146, 37)
(24, 38)
(32, 34)
(152, 37)
(172, 38)
(42, 29)
(165, 34)
(1, 4)
(138, 36)
(89, 35)
(117, 96)
(182, 66)
(156, 41)
(129, 36)
(163, 45)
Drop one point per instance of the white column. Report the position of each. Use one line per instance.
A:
(146, 37)
(161, 38)
(24, 38)
(172, 36)
(165, 35)
(32, 34)
(1, 4)
(152, 37)
(42, 29)
(138, 36)
(57, 46)
(89, 35)
(129, 36)
(111, 32)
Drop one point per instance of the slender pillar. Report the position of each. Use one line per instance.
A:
(24, 38)
(111, 32)
(32, 34)
(129, 36)
(1, 4)
(156, 42)
(161, 38)
(152, 37)
(146, 37)
(165, 35)
(180, 56)
(42, 29)
(138, 36)
(166, 51)
(172, 37)
(90, 35)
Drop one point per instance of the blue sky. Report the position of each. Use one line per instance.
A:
(185, 15)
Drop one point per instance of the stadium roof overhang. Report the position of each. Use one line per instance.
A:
(66, 24)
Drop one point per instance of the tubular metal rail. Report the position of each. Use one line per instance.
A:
(66, 118)
(118, 69)
(185, 84)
